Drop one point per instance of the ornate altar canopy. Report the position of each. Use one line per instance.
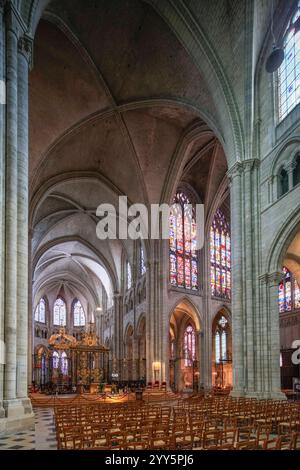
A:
(69, 363)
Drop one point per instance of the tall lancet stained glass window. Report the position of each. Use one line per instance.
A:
(129, 275)
(40, 311)
(220, 257)
(288, 292)
(289, 71)
(78, 314)
(59, 312)
(142, 261)
(189, 346)
(183, 254)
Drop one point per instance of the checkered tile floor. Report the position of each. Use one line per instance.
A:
(41, 437)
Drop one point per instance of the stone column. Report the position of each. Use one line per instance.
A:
(135, 357)
(290, 171)
(18, 411)
(24, 57)
(2, 200)
(237, 269)
(149, 324)
(206, 340)
(11, 203)
(273, 332)
(201, 358)
(248, 278)
(118, 332)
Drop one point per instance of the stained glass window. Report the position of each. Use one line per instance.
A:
(59, 312)
(189, 346)
(288, 292)
(218, 347)
(129, 276)
(55, 360)
(221, 339)
(78, 314)
(64, 363)
(40, 311)
(183, 254)
(60, 360)
(142, 261)
(289, 72)
(220, 257)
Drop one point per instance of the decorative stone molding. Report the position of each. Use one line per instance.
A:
(290, 320)
(25, 47)
(239, 167)
(271, 279)
(235, 170)
(249, 165)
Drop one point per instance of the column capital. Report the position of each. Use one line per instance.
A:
(250, 164)
(25, 47)
(289, 167)
(271, 279)
(234, 171)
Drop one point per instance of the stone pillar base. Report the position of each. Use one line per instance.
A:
(18, 415)
(276, 395)
(236, 393)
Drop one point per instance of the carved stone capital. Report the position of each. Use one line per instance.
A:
(271, 279)
(249, 165)
(25, 47)
(234, 171)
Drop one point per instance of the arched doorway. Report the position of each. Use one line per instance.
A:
(184, 329)
(221, 351)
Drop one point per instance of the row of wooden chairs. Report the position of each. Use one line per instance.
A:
(199, 423)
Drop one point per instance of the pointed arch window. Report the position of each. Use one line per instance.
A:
(59, 312)
(142, 261)
(182, 243)
(129, 275)
(221, 340)
(220, 256)
(189, 346)
(64, 363)
(55, 360)
(283, 182)
(288, 292)
(296, 171)
(218, 347)
(78, 313)
(289, 72)
(40, 311)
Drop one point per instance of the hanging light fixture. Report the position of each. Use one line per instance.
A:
(276, 57)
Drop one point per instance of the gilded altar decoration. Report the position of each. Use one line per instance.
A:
(69, 365)
(61, 340)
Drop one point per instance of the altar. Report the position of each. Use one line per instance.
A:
(70, 365)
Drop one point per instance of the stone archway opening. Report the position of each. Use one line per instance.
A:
(184, 349)
(221, 351)
(289, 317)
